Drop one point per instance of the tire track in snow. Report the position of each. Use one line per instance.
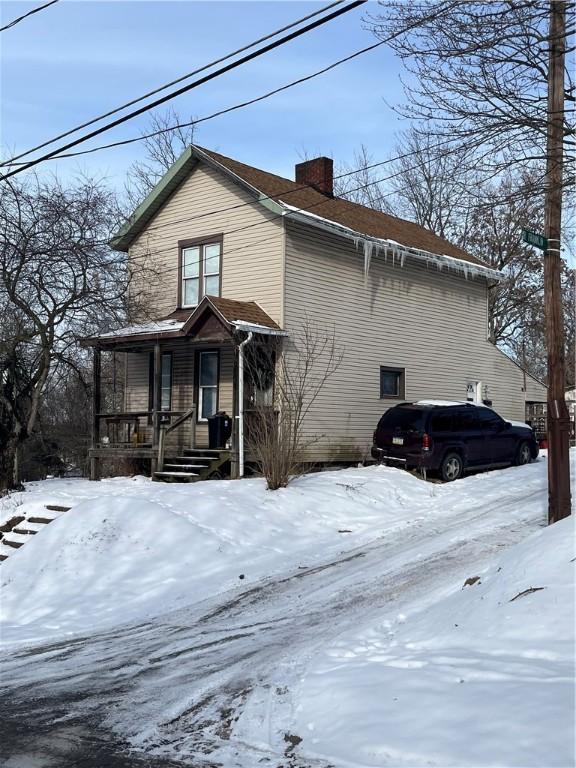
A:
(177, 686)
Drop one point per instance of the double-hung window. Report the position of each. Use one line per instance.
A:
(200, 271)
(207, 384)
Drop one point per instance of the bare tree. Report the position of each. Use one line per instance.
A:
(59, 281)
(284, 384)
(478, 73)
(433, 186)
(360, 182)
(160, 152)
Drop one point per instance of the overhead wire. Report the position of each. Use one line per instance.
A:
(190, 86)
(60, 152)
(26, 15)
(172, 82)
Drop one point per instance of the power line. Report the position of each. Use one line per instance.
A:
(494, 203)
(156, 252)
(56, 153)
(25, 15)
(184, 89)
(173, 82)
(220, 112)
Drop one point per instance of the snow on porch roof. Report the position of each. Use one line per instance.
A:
(236, 315)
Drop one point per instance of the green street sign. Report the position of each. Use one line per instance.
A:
(533, 238)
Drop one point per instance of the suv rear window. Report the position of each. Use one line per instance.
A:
(442, 421)
(405, 419)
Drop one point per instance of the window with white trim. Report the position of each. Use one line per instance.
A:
(200, 272)
(207, 384)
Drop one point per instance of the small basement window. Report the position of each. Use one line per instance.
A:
(392, 383)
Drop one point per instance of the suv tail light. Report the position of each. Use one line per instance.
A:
(425, 442)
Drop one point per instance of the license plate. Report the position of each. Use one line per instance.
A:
(397, 441)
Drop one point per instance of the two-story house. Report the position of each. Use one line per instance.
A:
(237, 254)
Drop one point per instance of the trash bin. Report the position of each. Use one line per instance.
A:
(219, 430)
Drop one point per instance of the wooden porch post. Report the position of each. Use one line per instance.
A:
(96, 407)
(156, 403)
(234, 455)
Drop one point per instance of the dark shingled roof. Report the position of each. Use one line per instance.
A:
(245, 311)
(352, 215)
(307, 200)
(231, 310)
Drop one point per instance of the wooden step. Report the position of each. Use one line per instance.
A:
(57, 508)
(42, 517)
(10, 524)
(182, 477)
(15, 540)
(184, 466)
(206, 459)
(213, 453)
(28, 528)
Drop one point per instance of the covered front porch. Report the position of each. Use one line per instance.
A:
(156, 387)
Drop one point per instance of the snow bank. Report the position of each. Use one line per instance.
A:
(130, 548)
(103, 561)
(485, 677)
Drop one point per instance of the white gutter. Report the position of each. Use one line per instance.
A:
(376, 243)
(242, 325)
(240, 416)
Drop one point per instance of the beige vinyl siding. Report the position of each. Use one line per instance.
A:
(183, 389)
(208, 203)
(432, 323)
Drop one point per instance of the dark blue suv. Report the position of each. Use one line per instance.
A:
(451, 438)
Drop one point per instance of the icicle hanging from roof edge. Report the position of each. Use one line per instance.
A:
(368, 250)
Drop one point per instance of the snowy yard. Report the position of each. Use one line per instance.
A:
(326, 624)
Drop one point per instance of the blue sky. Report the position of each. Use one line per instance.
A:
(77, 59)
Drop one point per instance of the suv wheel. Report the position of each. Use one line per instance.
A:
(523, 454)
(451, 467)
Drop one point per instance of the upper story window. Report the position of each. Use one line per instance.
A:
(200, 264)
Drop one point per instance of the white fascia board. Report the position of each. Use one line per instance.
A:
(242, 325)
(461, 265)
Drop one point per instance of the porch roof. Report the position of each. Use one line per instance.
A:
(234, 315)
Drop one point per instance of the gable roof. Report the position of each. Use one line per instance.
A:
(234, 315)
(300, 202)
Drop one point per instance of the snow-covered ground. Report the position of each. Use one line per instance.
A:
(325, 624)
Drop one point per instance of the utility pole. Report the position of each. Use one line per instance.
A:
(558, 419)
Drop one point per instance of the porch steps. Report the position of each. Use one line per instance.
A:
(25, 528)
(194, 464)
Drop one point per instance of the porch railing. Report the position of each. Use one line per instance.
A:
(130, 423)
(166, 429)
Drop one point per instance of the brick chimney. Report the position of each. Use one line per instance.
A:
(317, 173)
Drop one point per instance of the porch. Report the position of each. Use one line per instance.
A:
(155, 386)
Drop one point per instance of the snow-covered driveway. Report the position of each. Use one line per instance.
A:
(217, 681)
